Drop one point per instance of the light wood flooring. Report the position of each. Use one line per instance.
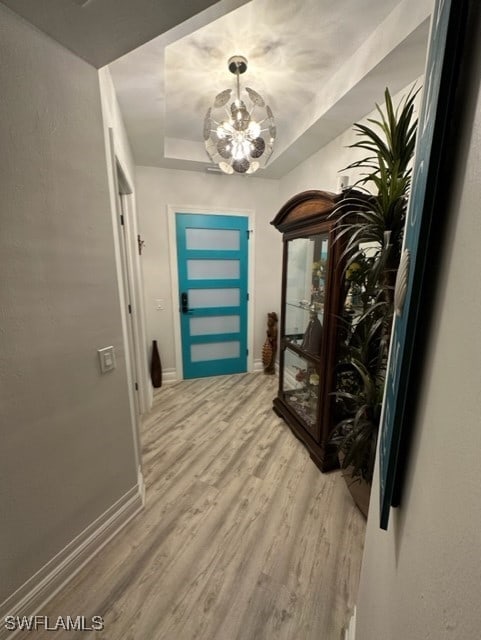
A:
(242, 537)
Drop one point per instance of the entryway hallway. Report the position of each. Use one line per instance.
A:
(242, 538)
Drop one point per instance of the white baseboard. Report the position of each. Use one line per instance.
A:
(259, 366)
(350, 633)
(169, 375)
(29, 599)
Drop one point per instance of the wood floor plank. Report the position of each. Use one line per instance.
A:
(242, 537)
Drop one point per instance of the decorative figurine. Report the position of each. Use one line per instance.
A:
(269, 349)
(313, 334)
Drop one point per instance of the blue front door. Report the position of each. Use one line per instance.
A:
(212, 268)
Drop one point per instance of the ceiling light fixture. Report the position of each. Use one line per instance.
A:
(239, 137)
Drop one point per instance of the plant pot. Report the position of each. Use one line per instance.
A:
(359, 489)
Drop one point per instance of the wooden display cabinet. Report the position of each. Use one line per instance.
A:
(312, 300)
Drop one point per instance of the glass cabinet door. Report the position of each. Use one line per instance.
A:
(306, 278)
(305, 290)
(300, 386)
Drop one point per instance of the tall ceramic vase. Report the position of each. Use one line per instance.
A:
(155, 366)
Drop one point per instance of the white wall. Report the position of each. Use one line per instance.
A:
(67, 450)
(158, 188)
(323, 169)
(421, 579)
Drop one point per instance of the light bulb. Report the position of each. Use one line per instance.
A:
(246, 148)
(237, 150)
(254, 129)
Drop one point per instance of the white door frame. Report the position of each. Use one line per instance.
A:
(174, 277)
(136, 367)
(122, 186)
(123, 193)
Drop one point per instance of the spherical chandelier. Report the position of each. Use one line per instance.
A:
(239, 136)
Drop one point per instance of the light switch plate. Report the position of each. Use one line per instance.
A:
(106, 359)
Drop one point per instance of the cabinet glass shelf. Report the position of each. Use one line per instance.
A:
(318, 308)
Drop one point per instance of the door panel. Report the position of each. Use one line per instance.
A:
(214, 324)
(209, 298)
(212, 268)
(206, 239)
(220, 269)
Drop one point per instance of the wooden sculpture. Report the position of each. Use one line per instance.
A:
(269, 350)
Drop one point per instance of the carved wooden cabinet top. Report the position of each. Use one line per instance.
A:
(304, 206)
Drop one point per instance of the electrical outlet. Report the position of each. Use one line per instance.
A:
(106, 359)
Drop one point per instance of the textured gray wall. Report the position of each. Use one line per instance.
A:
(66, 451)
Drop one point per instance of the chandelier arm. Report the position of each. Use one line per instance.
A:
(238, 83)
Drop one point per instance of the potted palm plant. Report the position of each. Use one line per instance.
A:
(372, 229)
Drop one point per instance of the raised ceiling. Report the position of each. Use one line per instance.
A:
(320, 65)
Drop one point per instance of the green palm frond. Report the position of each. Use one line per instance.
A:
(376, 220)
(390, 140)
